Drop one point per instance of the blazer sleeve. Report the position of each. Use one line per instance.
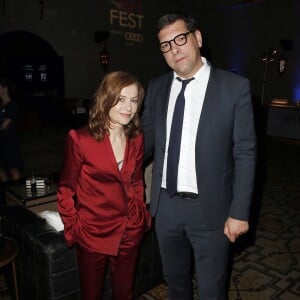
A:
(244, 155)
(137, 184)
(66, 191)
(137, 176)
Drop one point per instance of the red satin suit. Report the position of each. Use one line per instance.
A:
(100, 205)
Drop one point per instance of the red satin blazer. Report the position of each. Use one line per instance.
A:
(96, 200)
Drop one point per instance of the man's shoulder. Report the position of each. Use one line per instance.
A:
(222, 74)
(162, 78)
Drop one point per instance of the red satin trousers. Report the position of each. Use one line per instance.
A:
(93, 269)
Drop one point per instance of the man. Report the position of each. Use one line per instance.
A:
(216, 162)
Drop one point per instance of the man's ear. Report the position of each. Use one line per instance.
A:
(198, 37)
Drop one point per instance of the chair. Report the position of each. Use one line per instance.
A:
(8, 253)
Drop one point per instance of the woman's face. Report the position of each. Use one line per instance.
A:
(123, 112)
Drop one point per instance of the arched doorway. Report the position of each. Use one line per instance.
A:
(38, 72)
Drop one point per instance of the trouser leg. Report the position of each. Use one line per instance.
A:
(184, 239)
(211, 260)
(92, 268)
(123, 269)
(175, 250)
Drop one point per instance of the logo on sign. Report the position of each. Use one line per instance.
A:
(134, 37)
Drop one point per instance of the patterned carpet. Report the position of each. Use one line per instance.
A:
(266, 262)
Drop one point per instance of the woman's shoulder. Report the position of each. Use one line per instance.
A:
(82, 133)
(83, 138)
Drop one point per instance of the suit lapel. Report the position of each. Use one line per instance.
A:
(165, 96)
(209, 104)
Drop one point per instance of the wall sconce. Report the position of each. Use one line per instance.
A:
(104, 59)
(286, 45)
(282, 62)
(100, 37)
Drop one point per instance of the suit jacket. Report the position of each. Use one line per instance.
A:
(96, 200)
(225, 147)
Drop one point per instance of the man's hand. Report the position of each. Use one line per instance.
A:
(234, 228)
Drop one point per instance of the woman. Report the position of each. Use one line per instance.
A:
(101, 191)
(10, 152)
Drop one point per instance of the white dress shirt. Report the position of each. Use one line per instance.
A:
(194, 96)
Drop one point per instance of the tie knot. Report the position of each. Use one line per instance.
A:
(185, 81)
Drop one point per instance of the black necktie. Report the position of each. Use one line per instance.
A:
(175, 139)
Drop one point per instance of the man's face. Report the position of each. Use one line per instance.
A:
(185, 60)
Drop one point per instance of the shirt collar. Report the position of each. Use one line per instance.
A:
(205, 68)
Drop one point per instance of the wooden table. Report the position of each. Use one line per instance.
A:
(43, 199)
(284, 121)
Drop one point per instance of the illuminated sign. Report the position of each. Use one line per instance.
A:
(126, 19)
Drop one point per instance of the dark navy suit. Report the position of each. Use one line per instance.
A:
(225, 153)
